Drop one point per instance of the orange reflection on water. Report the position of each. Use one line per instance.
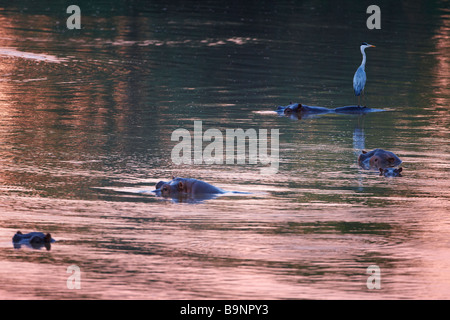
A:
(441, 77)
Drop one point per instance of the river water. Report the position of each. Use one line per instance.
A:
(86, 118)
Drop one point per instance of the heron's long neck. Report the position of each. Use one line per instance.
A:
(363, 63)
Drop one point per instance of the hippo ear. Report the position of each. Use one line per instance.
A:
(180, 186)
(18, 232)
(364, 151)
(48, 236)
(381, 171)
(159, 185)
(400, 170)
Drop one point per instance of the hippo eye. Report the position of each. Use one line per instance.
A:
(165, 188)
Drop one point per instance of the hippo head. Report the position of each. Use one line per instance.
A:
(384, 160)
(380, 158)
(391, 172)
(167, 189)
(296, 107)
(35, 240)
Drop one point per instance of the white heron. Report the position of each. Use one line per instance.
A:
(359, 79)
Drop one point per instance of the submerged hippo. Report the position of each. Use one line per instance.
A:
(355, 110)
(35, 240)
(186, 186)
(189, 190)
(378, 158)
(298, 111)
(391, 172)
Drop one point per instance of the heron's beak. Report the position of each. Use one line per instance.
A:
(372, 45)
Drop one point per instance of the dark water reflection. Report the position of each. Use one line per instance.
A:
(86, 118)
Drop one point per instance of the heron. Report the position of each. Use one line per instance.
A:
(359, 79)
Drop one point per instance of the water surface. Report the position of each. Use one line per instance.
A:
(86, 118)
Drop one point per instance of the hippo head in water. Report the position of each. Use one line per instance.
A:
(378, 158)
(289, 109)
(167, 188)
(297, 111)
(35, 240)
(187, 186)
(293, 107)
(391, 172)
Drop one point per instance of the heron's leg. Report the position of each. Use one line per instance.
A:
(358, 100)
(362, 93)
